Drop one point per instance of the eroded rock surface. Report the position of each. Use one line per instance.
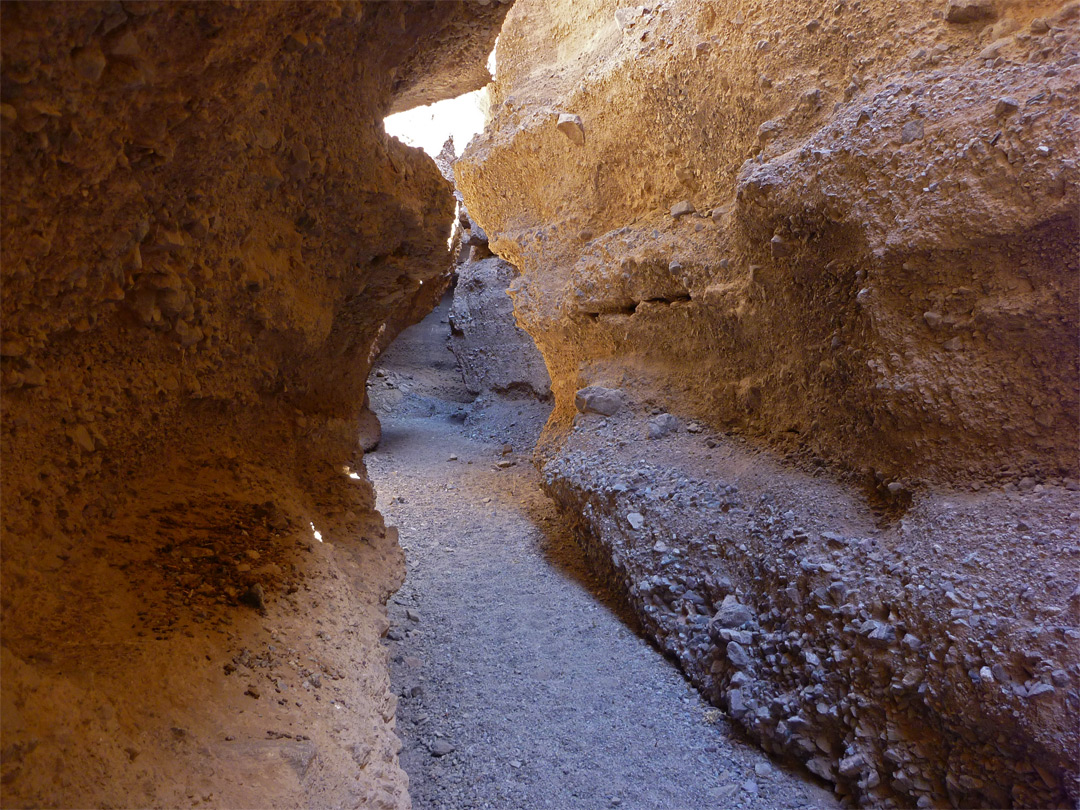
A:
(911, 662)
(207, 238)
(494, 353)
(880, 265)
(848, 235)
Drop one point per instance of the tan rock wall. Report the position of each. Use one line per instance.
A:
(846, 234)
(887, 271)
(207, 237)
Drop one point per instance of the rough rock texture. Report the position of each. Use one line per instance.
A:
(494, 353)
(889, 268)
(849, 235)
(207, 237)
(911, 662)
(466, 36)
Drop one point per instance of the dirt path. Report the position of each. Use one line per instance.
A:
(520, 686)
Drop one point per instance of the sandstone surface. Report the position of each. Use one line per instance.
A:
(847, 236)
(207, 239)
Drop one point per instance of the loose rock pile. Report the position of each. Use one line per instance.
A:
(905, 667)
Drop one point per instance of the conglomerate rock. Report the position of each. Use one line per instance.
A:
(848, 234)
(207, 238)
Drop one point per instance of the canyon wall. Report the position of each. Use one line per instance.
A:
(207, 238)
(817, 268)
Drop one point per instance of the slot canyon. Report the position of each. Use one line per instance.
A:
(702, 433)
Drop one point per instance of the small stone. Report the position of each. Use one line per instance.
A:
(440, 748)
(681, 209)
(769, 130)
(763, 769)
(597, 399)
(852, 766)
(1006, 106)
(636, 520)
(969, 11)
(738, 706)
(13, 348)
(879, 634)
(503, 464)
(412, 615)
(127, 46)
(662, 425)
(780, 248)
(912, 131)
(252, 692)
(81, 437)
(571, 126)
(452, 458)
(738, 656)
(732, 614)
(933, 319)
(1040, 689)
(750, 786)
(254, 597)
(820, 767)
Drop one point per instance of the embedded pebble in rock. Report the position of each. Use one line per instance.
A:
(597, 399)
(571, 126)
(681, 209)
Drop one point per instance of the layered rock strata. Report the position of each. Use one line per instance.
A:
(207, 238)
(847, 235)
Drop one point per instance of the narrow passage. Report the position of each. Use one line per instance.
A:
(519, 684)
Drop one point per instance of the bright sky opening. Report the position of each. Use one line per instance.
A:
(429, 127)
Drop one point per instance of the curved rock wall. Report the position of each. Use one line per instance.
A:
(848, 235)
(207, 238)
(877, 261)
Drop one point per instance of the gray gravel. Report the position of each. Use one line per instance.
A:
(521, 682)
(548, 699)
